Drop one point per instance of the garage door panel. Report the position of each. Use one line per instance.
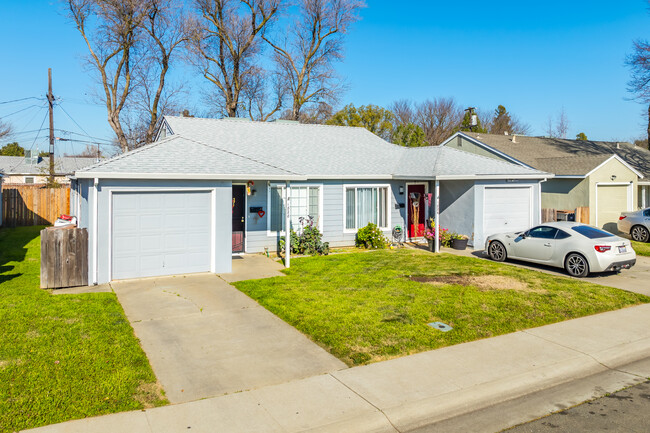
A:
(160, 233)
(506, 209)
(612, 200)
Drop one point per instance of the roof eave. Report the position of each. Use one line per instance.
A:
(187, 176)
(495, 176)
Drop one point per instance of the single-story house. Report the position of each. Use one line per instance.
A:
(35, 170)
(210, 188)
(607, 177)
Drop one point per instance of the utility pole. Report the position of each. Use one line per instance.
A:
(50, 100)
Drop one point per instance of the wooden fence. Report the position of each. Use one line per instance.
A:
(32, 205)
(64, 257)
(580, 214)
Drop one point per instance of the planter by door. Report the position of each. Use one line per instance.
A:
(459, 244)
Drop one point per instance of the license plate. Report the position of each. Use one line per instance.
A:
(622, 249)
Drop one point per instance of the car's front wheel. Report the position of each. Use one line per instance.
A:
(497, 251)
(576, 265)
(640, 234)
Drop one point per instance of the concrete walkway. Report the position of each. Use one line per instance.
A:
(204, 338)
(482, 386)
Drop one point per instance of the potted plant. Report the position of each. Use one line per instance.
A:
(459, 242)
(430, 236)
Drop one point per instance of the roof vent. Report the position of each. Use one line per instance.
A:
(514, 138)
(505, 132)
(618, 145)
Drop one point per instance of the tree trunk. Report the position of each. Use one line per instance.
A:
(648, 143)
(114, 121)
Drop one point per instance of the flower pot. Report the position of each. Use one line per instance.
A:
(432, 245)
(459, 244)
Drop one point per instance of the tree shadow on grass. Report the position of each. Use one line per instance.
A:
(13, 244)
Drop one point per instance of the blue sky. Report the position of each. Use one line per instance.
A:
(532, 57)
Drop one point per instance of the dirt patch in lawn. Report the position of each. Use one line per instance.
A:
(482, 282)
(148, 394)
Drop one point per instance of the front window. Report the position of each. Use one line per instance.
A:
(305, 203)
(29, 180)
(365, 205)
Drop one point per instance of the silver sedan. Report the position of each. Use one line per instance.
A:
(576, 247)
(636, 224)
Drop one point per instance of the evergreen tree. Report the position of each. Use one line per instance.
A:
(581, 136)
(12, 149)
(502, 121)
(409, 135)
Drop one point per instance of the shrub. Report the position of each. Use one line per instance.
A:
(371, 236)
(309, 241)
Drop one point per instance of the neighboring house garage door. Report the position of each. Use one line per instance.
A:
(611, 201)
(160, 233)
(506, 209)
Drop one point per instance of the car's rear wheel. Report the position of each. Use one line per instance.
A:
(497, 251)
(576, 265)
(640, 234)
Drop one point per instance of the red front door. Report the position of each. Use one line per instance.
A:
(416, 210)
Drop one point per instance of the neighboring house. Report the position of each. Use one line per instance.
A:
(209, 188)
(28, 170)
(607, 177)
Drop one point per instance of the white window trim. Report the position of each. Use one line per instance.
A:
(271, 185)
(213, 216)
(389, 192)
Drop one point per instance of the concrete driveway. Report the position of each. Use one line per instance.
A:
(636, 279)
(204, 338)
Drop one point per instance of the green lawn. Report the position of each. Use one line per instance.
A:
(62, 357)
(641, 248)
(366, 307)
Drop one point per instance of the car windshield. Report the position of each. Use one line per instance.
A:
(591, 232)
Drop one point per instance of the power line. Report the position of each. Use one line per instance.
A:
(74, 121)
(18, 100)
(84, 135)
(21, 110)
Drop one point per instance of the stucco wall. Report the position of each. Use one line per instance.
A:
(565, 194)
(604, 176)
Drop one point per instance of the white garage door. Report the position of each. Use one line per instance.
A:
(612, 200)
(160, 233)
(506, 209)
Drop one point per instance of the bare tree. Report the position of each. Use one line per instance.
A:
(403, 111)
(313, 43)
(226, 43)
(549, 129)
(562, 127)
(5, 129)
(264, 95)
(639, 84)
(439, 118)
(130, 44)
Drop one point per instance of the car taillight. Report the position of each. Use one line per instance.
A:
(622, 217)
(602, 248)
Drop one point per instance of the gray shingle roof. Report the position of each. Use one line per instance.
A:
(62, 165)
(231, 147)
(567, 157)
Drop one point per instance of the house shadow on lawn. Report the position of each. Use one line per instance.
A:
(13, 248)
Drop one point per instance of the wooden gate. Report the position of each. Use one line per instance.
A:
(32, 205)
(64, 258)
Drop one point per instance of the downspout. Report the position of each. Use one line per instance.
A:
(287, 226)
(95, 230)
(437, 217)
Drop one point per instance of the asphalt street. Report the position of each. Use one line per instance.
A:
(624, 411)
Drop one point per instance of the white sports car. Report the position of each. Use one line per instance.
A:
(576, 247)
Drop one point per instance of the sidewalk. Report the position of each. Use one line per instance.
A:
(415, 392)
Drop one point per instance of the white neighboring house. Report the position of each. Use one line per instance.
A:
(34, 170)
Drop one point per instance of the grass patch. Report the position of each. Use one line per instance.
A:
(62, 357)
(641, 248)
(367, 307)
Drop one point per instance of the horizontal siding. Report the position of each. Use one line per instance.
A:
(256, 235)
